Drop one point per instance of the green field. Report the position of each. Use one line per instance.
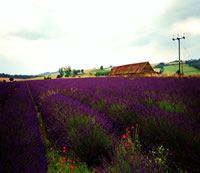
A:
(187, 70)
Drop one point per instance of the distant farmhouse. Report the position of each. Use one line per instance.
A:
(132, 70)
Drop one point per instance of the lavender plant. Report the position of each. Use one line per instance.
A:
(166, 109)
(21, 147)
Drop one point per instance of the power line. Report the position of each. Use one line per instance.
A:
(179, 51)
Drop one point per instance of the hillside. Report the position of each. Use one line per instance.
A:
(171, 68)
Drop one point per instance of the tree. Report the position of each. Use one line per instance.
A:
(61, 71)
(178, 72)
(67, 71)
(101, 67)
(82, 71)
(11, 78)
(58, 76)
(75, 72)
(161, 70)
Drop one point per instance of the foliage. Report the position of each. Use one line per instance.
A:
(11, 79)
(102, 73)
(127, 157)
(67, 71)
(20, 135)
(88, 116)
(160, 65)
(75, 72)
(46, 78)
(161, 70)
(194, 63)
(83, 134)
(17, 76)
(101, 68)
(58, 76)
(61, 71)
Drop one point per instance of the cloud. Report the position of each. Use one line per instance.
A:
(189, 25)
(45, 35)
(29, 35)
(177, 11)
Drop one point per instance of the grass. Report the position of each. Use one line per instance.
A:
(187, 70)
(157, 69)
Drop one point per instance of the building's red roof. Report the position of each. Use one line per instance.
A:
(129, 69)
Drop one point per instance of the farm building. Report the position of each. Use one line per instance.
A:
(132, 69)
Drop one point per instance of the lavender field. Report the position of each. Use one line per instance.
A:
(141, 124)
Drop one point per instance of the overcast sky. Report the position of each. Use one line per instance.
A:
(39, 36)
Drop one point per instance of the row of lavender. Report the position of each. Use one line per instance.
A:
(166, 109)
(21, 148)
(6, 90)
(87, 134)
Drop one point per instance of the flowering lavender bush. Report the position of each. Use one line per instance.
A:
(6, 90)
(128, 158)
(166, 110)
(82, 129)
(21, 147)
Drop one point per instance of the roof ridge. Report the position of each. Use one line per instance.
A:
(133, 64)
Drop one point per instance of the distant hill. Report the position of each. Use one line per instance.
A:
(3, 75)
(189, 67)
(48, 73)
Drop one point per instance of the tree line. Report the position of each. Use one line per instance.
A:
(18, 76)
(67, 72)
(194, 63)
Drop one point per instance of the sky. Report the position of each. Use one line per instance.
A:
(39, 36)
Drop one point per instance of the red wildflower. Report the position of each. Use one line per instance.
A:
(63, 158)
(126, 129)
(73, 161)
(70, 161)
(132, 127)
(61, 162)
(129, 131)
(126, 145)
(64, 148)
(63, 151)
(124, 136)
(126, 133)
(71, 166)
(129, 141)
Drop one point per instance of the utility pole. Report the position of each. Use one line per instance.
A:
(179, 51)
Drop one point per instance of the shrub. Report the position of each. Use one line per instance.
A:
(86, 133)
(46, 78)
(128, 158)
(11, 78)
(58, 76)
